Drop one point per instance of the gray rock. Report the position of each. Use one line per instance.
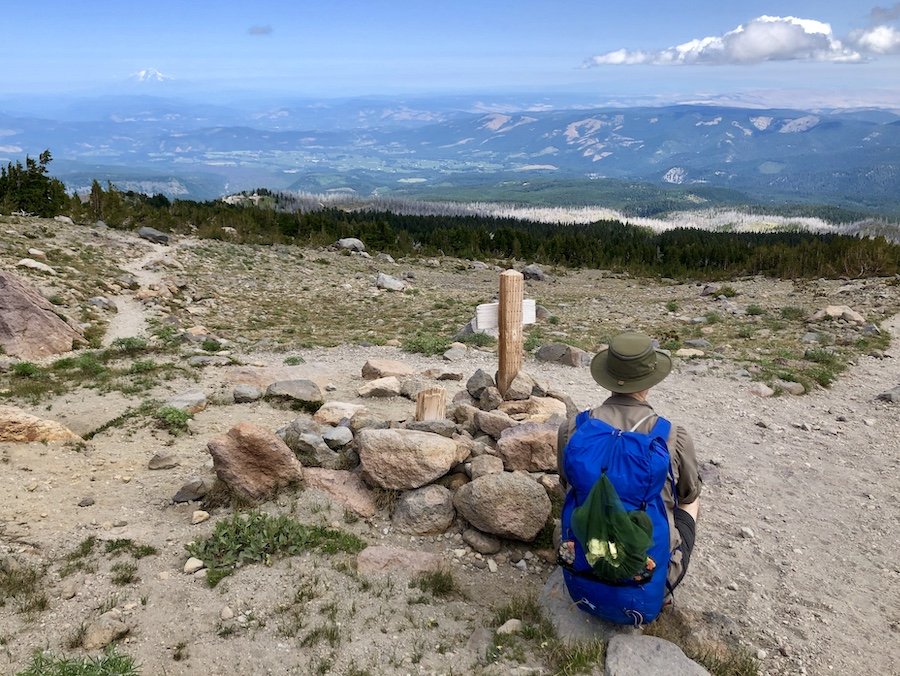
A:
(153, 235)
(162, 461)
(244, 394)
(410, 387)
(382, 368)
(194, 489)
(104, 630)
(892, 395)
(128, 281)
(560, 353)
(424, 511)
(456, 353)
(338, 437)
(305, 439)
(478, 382)
(510, 505)
(351, 244)
(86, 502)
(444, 427)
(304, 393)
(572, 624)
(520, 387)
(627, 655)
(534, 272)
(389, 283)
(484, 465)
(490, 399)
(103, 303)
(201, 360)
(493, 423)
(530, 446)
(790, 387)
(698, 343)
(380, 387)
(405, 459)
(385, 258)
(481, 542)
(192, 401)
(761, 390)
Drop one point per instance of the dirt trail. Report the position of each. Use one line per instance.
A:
(131, 318)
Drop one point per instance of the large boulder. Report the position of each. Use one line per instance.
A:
(333, 412)
(405, 459)
(351, 244)
(300, 392)
(153, 235)
(511, 505)
(529, 446)
(493, 423)
(628, 654)
(29, 328)
(380, 387)
(253, 462)
(424, 511)
(18, 426)
(538, 409)
(345, 488)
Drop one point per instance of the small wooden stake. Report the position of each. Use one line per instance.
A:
(431, 404)
(512, 289)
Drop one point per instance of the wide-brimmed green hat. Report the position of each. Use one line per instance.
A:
(630, 364)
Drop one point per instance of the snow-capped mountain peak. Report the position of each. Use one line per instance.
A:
(149, 75)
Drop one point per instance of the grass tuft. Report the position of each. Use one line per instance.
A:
(438, 583)
(110, 663)
(173, 419)
(256, 537)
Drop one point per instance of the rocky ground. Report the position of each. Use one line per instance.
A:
(795, 553)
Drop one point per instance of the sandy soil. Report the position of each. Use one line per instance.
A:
(816, 478)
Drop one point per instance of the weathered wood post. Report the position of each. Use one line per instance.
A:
(431, 404)
(512, 289)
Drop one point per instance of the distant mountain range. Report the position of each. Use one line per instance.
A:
(446, 147)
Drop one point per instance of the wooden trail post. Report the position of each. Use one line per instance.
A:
(431, 404)
(512, 285)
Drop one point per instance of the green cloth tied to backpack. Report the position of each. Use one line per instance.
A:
(615, 541)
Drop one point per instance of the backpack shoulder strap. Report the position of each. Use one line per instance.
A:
(582, 418)
(661, 429)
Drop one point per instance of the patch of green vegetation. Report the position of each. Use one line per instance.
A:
(129, 346)
(294, 360)
(755, 310)
(128, 546)
(144, 409)
(713, 317)
(23, 584)
(672, 306)
(173, 419)
(110, 663)
(26, 369)
(793, 313)
(211, 345)
(255, 537)
(439, 583)
(123, 572)
(478, 340)
(426, 343)
(727, 291)
(534, 339)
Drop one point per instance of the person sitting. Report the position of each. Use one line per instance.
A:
(629, 368)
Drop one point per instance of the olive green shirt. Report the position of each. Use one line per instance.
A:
(624, 412)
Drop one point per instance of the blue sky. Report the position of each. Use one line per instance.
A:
(842, 51)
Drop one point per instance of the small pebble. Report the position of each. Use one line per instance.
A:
(86, 502)
(199, 516)
(732, 586)
(192, 565)
(746, 532)
(761, 654)
(226, 613)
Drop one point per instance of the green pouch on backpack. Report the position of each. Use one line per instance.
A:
(614, 541)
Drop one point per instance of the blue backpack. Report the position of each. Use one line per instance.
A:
(637, 465)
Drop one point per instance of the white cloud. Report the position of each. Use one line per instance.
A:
(766, 38)
(878, 40)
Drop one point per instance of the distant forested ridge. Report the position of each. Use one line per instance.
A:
(679, 253)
